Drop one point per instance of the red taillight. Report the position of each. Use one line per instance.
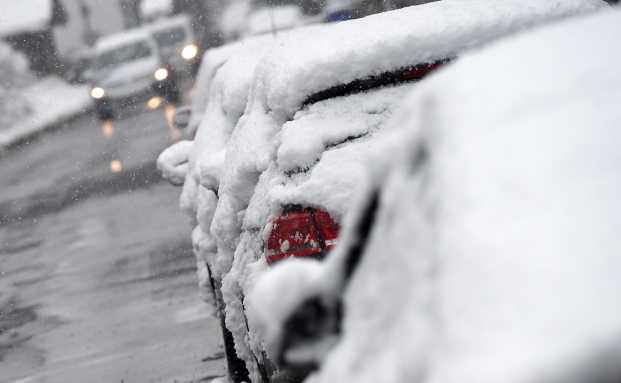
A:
(420, 71)
(301, 233)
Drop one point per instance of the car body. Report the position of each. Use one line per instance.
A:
(124, 67)
(313, 114)
(484, 246)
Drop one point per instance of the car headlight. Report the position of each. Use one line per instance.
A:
(161, 74)
(189, 51)
(97, 92)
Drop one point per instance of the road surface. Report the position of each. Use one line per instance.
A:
(97, 278)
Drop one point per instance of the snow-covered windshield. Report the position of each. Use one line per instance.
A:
(122, 55)
(170, 36)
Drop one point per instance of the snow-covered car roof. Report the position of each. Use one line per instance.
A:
(336, 54)
(494, 254)
(25, 16)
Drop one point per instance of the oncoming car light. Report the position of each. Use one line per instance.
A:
(97, 92)
(189, 51)
(161, 74)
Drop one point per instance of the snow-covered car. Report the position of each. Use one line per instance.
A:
(484, 245)
(285, 176)
(221, 93)
(124, 67)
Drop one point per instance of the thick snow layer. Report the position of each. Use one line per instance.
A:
(269, 19)
(262, 152)
(25, 16)
(321, 154)
(495, 256)
(307, 64)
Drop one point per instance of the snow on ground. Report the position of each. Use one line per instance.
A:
(29, 105)
(50, 101)
(495, 256)
(443, 29)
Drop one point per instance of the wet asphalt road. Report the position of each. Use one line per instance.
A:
(97, 278)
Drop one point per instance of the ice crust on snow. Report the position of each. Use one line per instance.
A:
(497, 257)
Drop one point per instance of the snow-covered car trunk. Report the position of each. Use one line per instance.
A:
(485, 246)
(295, 146)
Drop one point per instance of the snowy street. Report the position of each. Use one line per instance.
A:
(97, 275)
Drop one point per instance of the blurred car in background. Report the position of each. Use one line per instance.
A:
(123, 68)
(279, 183)
(484, 247)
(177, 44)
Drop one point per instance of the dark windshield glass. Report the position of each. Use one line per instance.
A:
(169, 36)
(123, 54)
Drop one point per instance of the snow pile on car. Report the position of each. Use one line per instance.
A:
(307, 61)
(494, 255)
(419, 34)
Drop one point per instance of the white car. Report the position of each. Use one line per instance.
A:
(279, 180)
(177, 44)
(124, 67)
(485, 245)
